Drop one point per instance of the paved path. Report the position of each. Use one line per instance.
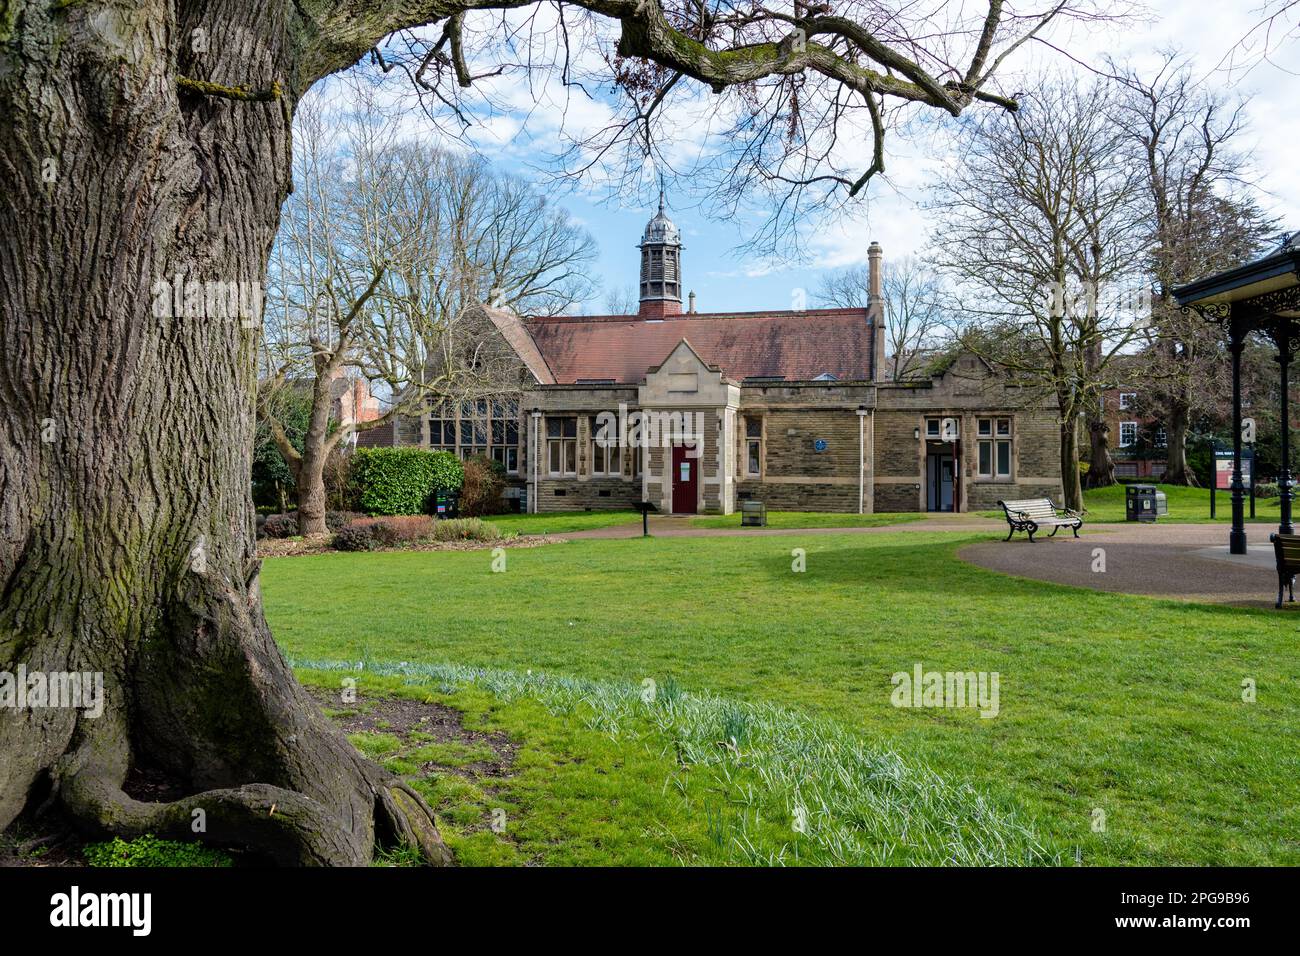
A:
(1188, 562)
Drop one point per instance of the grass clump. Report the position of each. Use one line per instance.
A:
(863, 804)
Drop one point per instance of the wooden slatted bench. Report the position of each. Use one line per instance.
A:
(1035, 514)
(1286, 550)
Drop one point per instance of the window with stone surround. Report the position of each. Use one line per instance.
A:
(606, 459)
(993, 438)
(753, 447)
(562, 445)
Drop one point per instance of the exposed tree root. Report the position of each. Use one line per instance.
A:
(216, 708)
(287, 827)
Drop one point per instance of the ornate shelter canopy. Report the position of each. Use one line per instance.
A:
(1260, 296)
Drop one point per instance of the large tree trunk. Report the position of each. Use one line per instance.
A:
(1072, 489)
(126, 528)
(1101, 467)
(309, 474)
(1177, 471)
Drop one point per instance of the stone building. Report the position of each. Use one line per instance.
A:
(695, 412)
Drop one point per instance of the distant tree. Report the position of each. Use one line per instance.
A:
(918, 309)
(1200, 218)
(273, 482)
(621, 301)
(1039, 228)
(382, 248)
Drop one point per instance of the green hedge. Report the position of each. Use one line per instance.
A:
(401, 481)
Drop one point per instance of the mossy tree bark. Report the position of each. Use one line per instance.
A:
(126, 528)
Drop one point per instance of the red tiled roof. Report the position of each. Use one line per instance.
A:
(793, 345)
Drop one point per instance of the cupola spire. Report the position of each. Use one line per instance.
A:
(661, 266)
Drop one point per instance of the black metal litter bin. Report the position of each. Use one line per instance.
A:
(446, 504)
(753, 514)
(1144, 503)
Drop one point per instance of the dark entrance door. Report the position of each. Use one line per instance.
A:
(939, 482)
(685, 481)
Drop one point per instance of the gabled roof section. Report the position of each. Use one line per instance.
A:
(795, 346)
(683, 346)
(517, 336)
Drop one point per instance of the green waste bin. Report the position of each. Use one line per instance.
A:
(1144, 503)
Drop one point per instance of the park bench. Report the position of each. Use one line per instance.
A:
(1035, 514)
(1286, 549)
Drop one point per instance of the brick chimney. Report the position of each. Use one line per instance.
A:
(876, 310)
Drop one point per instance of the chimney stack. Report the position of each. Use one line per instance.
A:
(876, 309)
(691, 303)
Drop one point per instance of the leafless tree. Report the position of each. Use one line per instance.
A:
(1201, 218)
(799, 100)
(1039, 228)
(126, 437)
(383, 246)
(917, 305)
(621, 301)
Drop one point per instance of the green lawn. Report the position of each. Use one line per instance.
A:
(560, 522)
(1125, 705)
(1186, 505)
(809, 519)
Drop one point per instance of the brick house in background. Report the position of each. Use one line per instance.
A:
(696, 412)
(1137, 439)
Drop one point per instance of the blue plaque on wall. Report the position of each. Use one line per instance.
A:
(819, 445)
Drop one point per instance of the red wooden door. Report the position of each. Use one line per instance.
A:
(685, 481)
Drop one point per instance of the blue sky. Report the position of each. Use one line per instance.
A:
(527, 125)
(722, 278)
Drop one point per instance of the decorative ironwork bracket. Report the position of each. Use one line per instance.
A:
(1219, 312)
